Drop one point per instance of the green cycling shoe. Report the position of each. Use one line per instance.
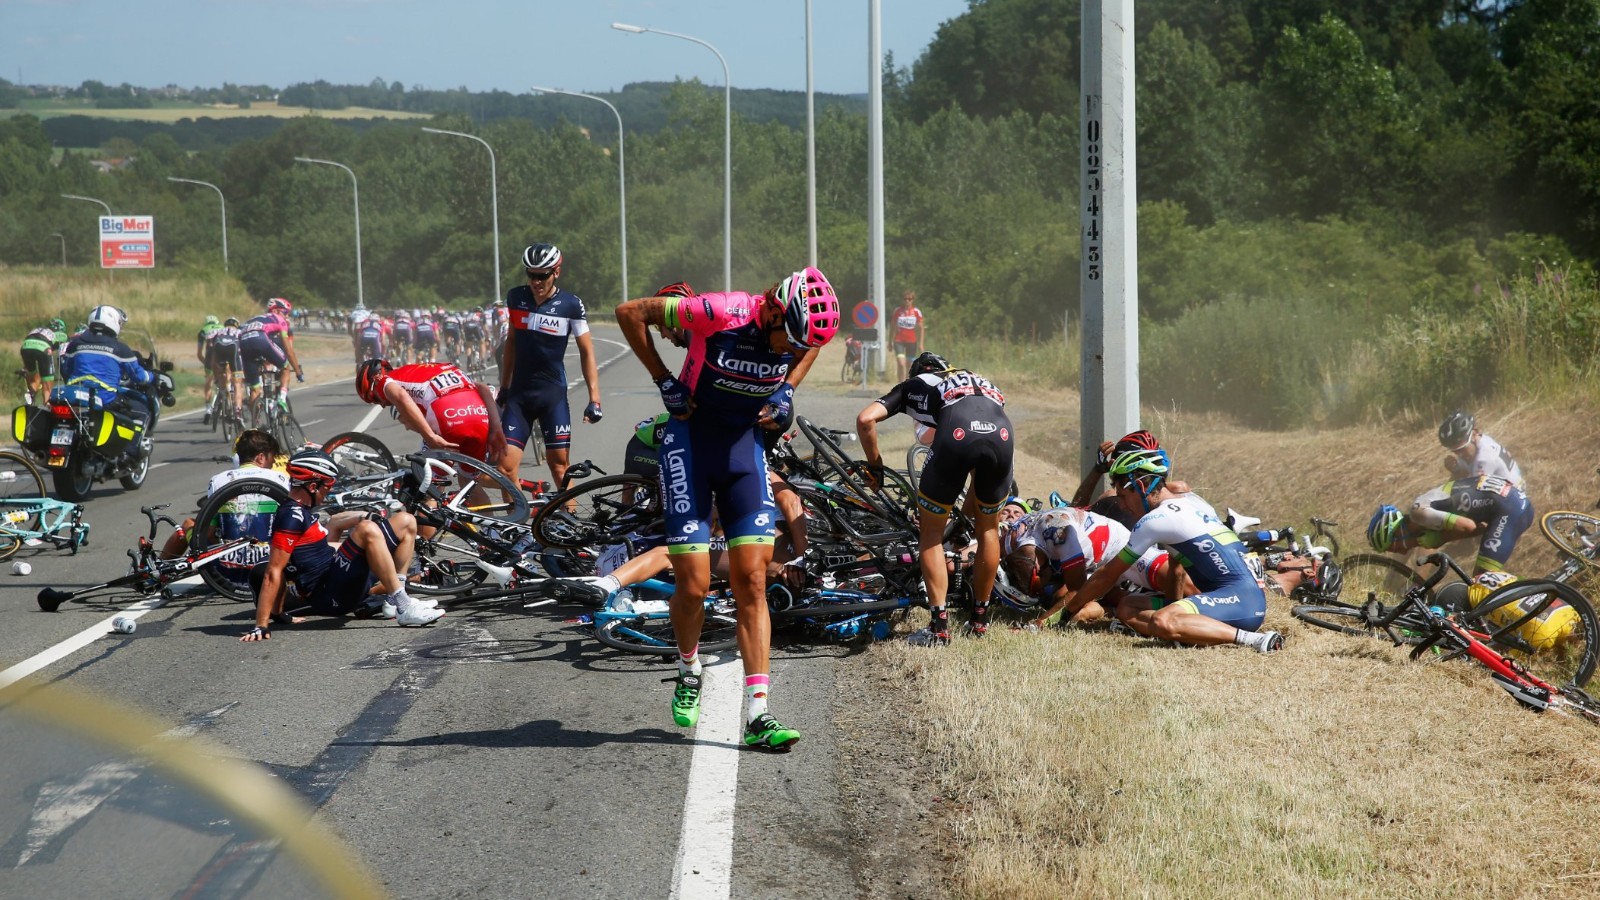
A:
(769, 734)
(685, 700)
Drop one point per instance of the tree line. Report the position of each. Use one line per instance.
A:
(1378, 165)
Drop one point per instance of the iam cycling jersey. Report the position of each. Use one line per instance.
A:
(541, 332)
(331, 582)
(1498, 504)
(730, 367)
(1210, 552)
(449, 401)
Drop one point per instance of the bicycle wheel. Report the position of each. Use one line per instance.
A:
(1374, 576)
(476, 488)
(1547, 626)
(602, 511)
(242, 509)
(359, 453)
(652, 634)
(291, 436)
(1574, 533)
(1348, 620)
(20, 479)
(916, 457)
(533, 451)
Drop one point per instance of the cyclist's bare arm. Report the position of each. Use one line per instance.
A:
(636, 318)
(591, 372)
(294, 358)
(867, 430)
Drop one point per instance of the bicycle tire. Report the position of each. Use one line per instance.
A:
(1568, 657)
(653, 635)
(826, 609)
(843, 470)
(9, 544)
(1384, 577)
(605, 511)
(1349, 620)
(533, 451)
(291, 436)
(1573, 533)
(230, 577)
(512, 507)
(359, 453)
(916, 458)
(20, 478)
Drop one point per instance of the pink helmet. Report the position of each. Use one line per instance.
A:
(810, 308)
(278, 304)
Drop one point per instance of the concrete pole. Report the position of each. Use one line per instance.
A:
(875, 267)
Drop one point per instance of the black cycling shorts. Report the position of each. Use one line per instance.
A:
(974, 438)
(39, 361)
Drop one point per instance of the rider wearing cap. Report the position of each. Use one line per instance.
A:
(747, 354)
(533, 376)
(329, 581)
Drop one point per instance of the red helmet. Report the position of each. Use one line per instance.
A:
(370, 378)
(1136, 440)
(676, 289)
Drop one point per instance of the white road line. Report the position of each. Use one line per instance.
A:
(154, 466)
(312, 422)
(78, 641)
(704, 869)
(372, 414)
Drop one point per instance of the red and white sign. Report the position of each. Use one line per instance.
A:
(127, 242)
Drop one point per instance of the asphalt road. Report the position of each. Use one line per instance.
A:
(500, 753)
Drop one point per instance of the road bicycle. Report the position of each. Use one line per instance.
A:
(1543, 629)
(148, 573)
(222, 414)
(28, 516)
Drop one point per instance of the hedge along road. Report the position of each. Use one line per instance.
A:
(499, 753)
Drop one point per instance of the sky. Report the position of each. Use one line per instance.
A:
(478, 44)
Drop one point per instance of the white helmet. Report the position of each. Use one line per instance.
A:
(108, 317)
(541, 256)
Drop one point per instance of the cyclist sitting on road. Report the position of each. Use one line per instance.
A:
(533, 375)
(440, 403)
(40, 348)
(973, 437)
(1234, 602)
(328, 581)
(1486, 505)
(1473, 453)
(256, 455)
(747, 354)
(269, 338)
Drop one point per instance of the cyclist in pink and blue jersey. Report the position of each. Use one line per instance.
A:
(747, 354)
(269, 338)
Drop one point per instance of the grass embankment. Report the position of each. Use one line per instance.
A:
(1087, 764)
(173, 111)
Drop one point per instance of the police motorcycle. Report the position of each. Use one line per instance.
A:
(81, 439)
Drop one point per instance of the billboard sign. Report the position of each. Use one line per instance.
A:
(127, 242)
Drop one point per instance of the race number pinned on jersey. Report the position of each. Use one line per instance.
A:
(447, 381)
(1494, 484)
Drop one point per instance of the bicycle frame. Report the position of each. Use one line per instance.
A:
(54, 516)
(148, 572)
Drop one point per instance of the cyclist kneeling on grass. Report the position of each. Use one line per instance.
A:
(1051, 554)
(331, 582)
(1233, 601)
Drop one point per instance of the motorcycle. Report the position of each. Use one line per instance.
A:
(81, 440)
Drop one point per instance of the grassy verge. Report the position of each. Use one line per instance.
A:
(1085, 764)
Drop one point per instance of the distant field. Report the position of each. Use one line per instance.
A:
(170, 111)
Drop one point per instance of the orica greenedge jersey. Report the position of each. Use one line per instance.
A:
(1190, 529)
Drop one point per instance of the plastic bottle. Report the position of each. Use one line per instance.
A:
(621, 601)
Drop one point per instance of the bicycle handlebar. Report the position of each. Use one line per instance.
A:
(155, 520)
(1441, 561)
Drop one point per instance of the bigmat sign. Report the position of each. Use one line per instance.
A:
(127, 242)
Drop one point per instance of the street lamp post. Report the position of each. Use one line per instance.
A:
(224, 201)
(361, 300)
(494, 199)
(63, 240)
(622, 179)
(811, 150)
(109, 272)
(727, 144)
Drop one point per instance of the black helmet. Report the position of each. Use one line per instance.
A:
(1457, 429)
(928, 363)
(541, 256)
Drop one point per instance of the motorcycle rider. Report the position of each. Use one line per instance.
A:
(98, 358)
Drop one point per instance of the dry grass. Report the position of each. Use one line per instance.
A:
(1089, 765)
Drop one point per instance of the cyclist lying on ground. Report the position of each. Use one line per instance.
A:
(331, 582)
